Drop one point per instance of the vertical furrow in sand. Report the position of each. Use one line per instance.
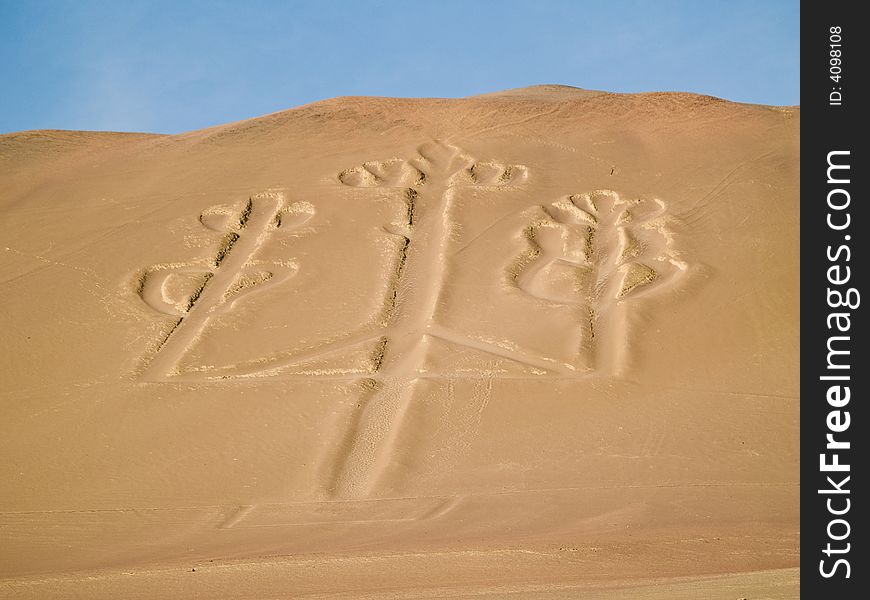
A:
(367, 449)
(413, 300)
(609, 318)
(603, 297)
(338, 468)
(367, 456)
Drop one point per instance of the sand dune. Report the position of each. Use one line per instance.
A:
(530, 344)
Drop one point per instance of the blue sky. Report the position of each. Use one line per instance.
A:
(171, 66)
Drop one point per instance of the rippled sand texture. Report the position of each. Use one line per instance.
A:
(521, 345)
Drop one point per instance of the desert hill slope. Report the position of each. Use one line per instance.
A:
(521, 344)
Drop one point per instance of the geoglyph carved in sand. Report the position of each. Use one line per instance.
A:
(597, 251)
(417, 283)
(594, 252)
(197, 293)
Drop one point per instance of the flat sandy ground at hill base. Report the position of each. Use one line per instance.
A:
(535, 344)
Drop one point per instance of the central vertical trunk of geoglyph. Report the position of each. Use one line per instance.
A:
(412, 302)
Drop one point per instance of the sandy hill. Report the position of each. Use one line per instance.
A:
(519, 345)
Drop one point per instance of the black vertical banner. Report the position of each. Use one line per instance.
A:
(834, 263)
